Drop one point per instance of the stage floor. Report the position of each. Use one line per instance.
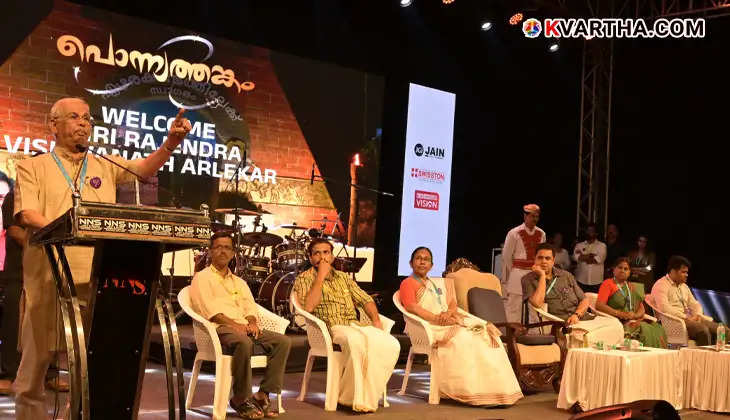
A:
(410, 406)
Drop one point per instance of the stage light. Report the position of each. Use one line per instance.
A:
(405, 3)
(447, 1)
(487, 25)
(516, 18)
(553, 47)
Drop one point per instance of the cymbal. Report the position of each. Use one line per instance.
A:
(323, 220)
(217, 227)
(290, 227)
(261, 239)
(241, 212)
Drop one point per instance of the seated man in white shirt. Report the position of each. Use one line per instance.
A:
(672, 296)
(225, 299)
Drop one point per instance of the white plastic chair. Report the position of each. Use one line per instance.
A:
(423, 342)
(592, 297)
(674, 326)
(209, 348)
(320, 345)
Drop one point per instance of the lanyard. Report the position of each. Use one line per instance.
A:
(555, 278)
(435, 290)
(626, 295)
(65, 174)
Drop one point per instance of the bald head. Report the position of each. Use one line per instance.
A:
(70, 122)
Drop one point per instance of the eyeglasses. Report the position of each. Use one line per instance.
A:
(223, 247)
(426, 259)
(77, 118)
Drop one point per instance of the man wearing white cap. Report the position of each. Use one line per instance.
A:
(518, 257)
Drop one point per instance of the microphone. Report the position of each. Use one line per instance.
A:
(141, 179)
(311, 180)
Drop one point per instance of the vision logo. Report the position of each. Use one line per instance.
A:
(531, 28)
(426, 200)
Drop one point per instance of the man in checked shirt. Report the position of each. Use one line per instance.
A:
(370, 353)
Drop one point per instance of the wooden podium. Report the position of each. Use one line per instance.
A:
(108, 344)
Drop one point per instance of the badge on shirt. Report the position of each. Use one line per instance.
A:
(95, 182)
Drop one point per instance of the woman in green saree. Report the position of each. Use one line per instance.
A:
(622, 299)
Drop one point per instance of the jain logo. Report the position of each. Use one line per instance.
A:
(428, 151)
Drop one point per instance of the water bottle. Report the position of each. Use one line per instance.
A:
(720, 343)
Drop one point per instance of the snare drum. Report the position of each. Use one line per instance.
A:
(274, 295)
(289, 256)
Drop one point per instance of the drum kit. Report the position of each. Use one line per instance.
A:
(268, 262)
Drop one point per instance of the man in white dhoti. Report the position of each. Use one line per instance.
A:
(518, 256)
(370, 353)
(547, 284)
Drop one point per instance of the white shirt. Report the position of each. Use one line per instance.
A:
(590, 274)
(674, 300)
(213, 292)
(514, 248)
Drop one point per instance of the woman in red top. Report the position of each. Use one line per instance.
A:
(621, 299)
(472, 363)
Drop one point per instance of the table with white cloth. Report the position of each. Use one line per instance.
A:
(706, 378)
(599, 378)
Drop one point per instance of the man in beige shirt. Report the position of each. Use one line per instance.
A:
(672, 296)
(43, 192)
(225, 299)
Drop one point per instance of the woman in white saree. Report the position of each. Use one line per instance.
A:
(473, 365)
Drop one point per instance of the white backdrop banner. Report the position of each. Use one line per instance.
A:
(427, 176)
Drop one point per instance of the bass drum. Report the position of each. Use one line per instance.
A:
(274, 295)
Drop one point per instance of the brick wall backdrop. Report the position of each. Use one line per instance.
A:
(36, 75)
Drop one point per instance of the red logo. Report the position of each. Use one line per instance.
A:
(426, 200)
(428, 175)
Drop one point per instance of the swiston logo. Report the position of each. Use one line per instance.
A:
(426, 200)
(428, 175)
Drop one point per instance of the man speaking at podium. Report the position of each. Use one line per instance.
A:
(43, 192)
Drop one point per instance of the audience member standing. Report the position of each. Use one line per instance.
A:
(590, 256)
(615, 248)
(643, 263)
(562, 257)
(518, 257)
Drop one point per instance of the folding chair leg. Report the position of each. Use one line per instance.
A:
(385, 397)
(307, 373)
(409, 364)
(193, 381)
(332, 392)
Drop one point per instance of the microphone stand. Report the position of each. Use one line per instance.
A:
(352, 185)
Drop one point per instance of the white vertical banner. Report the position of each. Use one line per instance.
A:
(427, 176)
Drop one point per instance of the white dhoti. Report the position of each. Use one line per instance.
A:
(369, 356)
(605, 329)
(513, 295)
